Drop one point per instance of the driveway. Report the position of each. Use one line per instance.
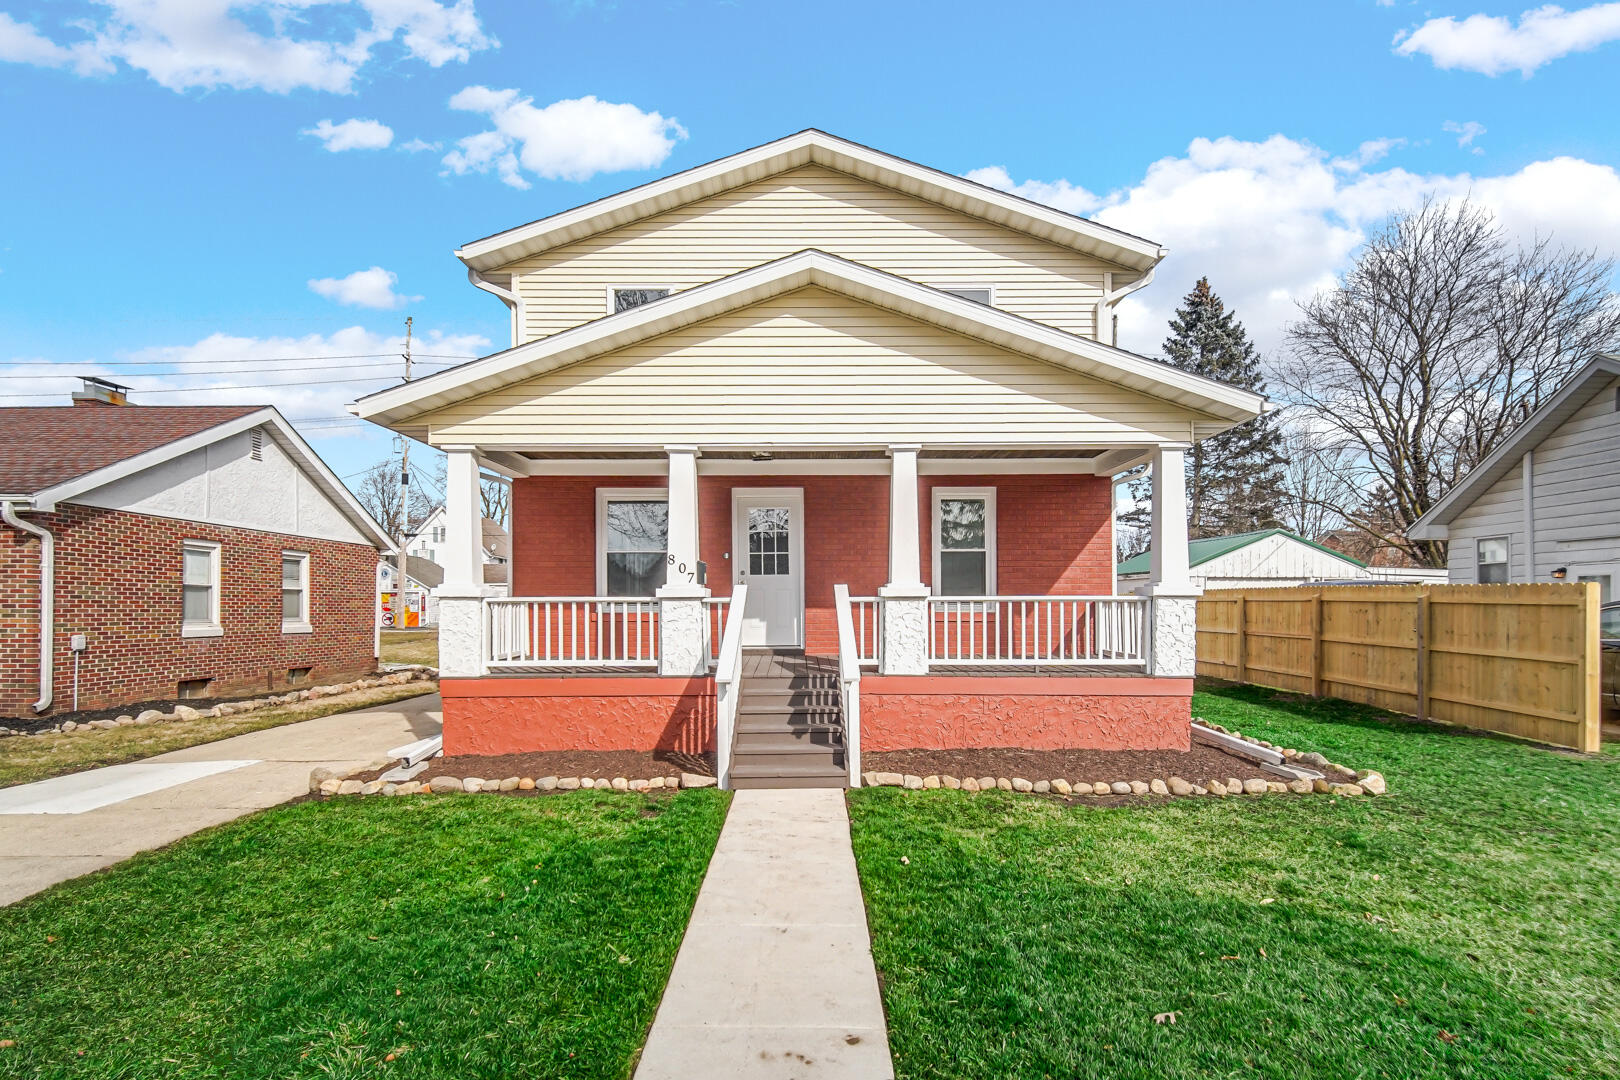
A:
(70, 825)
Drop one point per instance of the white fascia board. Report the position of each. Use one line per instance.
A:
(1568, 400)
(1083, 356)
(794, 151)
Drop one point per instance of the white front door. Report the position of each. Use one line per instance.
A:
(768, 554)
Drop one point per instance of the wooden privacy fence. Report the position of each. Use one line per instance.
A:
(1517, 659)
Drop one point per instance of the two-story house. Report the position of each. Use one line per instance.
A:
(812, 448)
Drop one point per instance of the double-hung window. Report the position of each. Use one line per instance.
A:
(1492, 560)
(632, 541)
(964, 541)
(199, 589)
(295, 593)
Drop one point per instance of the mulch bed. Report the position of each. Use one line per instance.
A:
(630, 764)
(1199, 765)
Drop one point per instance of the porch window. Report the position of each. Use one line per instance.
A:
(1492, 560)
(625, 297)
(295, 592)
(199, 589)
(632, 542)
(964, 541)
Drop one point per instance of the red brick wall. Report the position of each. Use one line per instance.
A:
(1053, 535)
(118, 583)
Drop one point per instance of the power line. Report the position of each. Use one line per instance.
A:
(193, 374)
(233, 360)
(245, 386)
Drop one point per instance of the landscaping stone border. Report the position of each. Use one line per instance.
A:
(327, 782)
(232, 708)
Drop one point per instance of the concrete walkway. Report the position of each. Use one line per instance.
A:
(775, 977)
(58, 829)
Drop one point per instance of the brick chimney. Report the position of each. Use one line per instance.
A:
(98, 391)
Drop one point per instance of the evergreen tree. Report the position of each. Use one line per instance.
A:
(1235, 480)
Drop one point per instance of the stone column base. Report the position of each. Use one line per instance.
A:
(905, 630)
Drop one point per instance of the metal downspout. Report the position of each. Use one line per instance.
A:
(47, 601)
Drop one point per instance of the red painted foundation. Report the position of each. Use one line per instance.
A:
(1035, 713)
(518, 715)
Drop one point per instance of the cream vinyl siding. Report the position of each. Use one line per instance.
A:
(1576, 488)
(810, 367)
(804, 208)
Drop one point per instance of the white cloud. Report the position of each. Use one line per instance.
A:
(572, 139)
(1368, 153)
(1492, 45)
(352, 134)
(372, 288)
(1466, 133)
(416, 146)
(1271, 222)
(206, 44)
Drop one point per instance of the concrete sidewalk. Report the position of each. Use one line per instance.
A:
(775, 977)
(37, 850)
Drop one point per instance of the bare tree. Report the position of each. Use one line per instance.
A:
(496, 499)
(378, 491)
(1314, 484)
(1433, 347)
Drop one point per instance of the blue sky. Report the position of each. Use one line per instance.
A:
(173, 213)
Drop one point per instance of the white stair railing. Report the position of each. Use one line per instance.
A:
(570, 632)
(849, 682)
(1033, 631)
(728, 683)
(866, 615)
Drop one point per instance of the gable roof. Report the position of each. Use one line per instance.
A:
(50, 455)
(803, 148)
(398, 406)
(1213, 547)
(1570, 399)
(424, 571)
(44, 446)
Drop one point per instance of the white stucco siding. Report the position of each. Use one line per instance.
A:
(812, 207)
(1576, 502)
(222, 484)
(811, 366)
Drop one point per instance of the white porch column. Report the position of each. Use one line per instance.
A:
(905, 597)
(683, 625)
(461, 609)
(1173, 622)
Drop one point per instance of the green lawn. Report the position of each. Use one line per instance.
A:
(1467, 925)
(467, 936)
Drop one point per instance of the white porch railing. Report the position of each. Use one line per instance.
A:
(849, 681)
(1038, 630)
(866, 614)
(570, 632)
(728, 684)
(714, 610)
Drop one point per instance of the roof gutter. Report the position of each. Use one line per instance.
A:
(47, 600)
(508, 297)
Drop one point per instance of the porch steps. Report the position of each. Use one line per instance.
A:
(790, 726)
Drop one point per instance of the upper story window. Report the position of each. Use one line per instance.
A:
(625, 297)
(979, 294)
(199, 589)
(964, 541)
(632, 541)
(1491, 563)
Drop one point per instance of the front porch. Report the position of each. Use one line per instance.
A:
(782, 611)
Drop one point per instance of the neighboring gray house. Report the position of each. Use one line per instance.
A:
(1547, 499)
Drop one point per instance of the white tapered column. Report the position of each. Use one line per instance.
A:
(905, 597)
(461, 650)
(1172, 649)
(683, 626)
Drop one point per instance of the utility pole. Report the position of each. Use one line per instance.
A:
(404, 499)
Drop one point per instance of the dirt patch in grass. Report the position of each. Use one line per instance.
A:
(630, 764)
(1199, 765)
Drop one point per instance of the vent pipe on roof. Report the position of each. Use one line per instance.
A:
(99, 391)
(47, 601)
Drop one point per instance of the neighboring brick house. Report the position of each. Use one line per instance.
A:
(200, 551)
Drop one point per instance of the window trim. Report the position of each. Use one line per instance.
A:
(611, 289)
(988, 286)
(213, 627)
(988, 494)
(302, 625)
(1507, 560)
(605, 495)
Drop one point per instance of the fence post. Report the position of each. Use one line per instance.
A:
(1423, 655)
(1591, 734)
(1316, 644)
(1241, 625)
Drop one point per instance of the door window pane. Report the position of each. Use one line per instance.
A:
(636, 545)
(768, 534)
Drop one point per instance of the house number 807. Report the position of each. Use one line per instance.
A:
(680, 568)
